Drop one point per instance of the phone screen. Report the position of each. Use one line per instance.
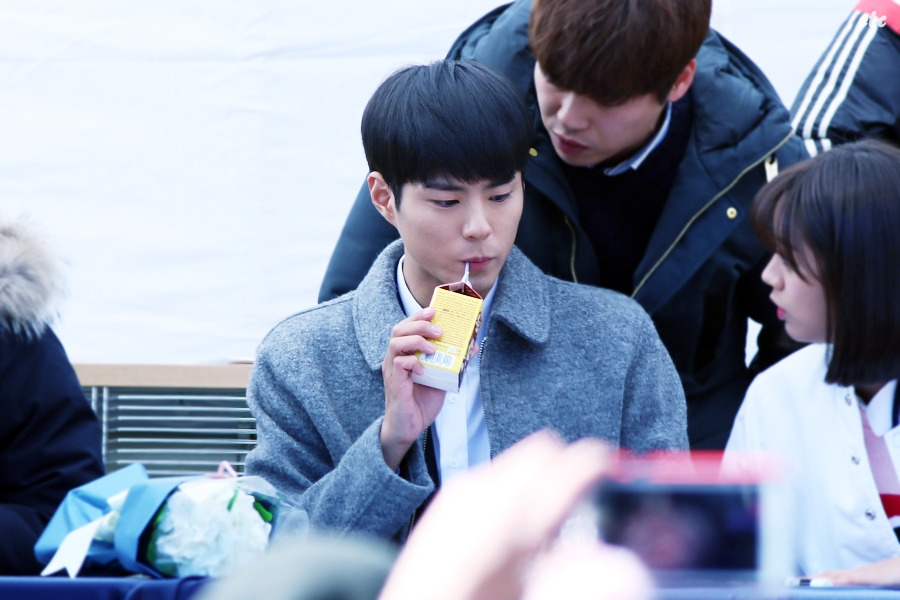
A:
(683, 527)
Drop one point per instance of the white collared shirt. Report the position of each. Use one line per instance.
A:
(460, 436)
(829, 491)
(635, 161)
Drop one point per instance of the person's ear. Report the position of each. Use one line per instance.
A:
(683, 82)
(382, 197)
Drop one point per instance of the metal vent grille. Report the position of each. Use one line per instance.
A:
(176, 430)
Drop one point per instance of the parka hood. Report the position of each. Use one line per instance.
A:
(30, 280)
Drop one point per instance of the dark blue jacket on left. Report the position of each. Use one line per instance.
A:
(49, 436)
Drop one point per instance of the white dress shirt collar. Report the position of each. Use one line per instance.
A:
(635, 161)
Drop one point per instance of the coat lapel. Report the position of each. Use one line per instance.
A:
(522, 302)
(376, 305)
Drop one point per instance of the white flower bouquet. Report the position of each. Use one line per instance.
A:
(208, 526)
(167, 527)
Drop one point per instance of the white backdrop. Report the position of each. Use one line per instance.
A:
(194, 160)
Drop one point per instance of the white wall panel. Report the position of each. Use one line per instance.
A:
(194, 161)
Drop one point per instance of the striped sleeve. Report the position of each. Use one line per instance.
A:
(854, 89)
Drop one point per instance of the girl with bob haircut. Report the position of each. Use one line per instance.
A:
(830, 410)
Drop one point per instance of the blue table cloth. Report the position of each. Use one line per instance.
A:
(98, 588)
(141, 588)
(751, 592)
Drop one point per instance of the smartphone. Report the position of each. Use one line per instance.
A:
(682, 526)
(686, 520)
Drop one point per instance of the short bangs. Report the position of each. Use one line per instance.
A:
(457, 119)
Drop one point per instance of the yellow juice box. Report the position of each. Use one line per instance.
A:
(458, 311)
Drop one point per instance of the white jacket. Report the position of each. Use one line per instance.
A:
(816, 427)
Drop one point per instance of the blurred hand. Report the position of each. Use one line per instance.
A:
(885, 573)
(588, 570)
(483, 530)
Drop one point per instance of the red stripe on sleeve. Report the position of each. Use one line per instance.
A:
(886, 11)
(891, 503)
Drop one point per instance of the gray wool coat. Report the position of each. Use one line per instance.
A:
(584, 361)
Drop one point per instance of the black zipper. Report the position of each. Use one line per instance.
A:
(412, 520)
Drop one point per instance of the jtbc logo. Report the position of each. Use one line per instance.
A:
(873, 20)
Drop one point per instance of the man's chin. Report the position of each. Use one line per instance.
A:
(576, 160)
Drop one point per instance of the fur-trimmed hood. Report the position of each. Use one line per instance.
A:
(30, 280)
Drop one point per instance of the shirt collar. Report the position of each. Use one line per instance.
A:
(635, 161)
(880, 409)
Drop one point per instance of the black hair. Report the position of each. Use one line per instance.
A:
(458, 119)
(844, 207)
